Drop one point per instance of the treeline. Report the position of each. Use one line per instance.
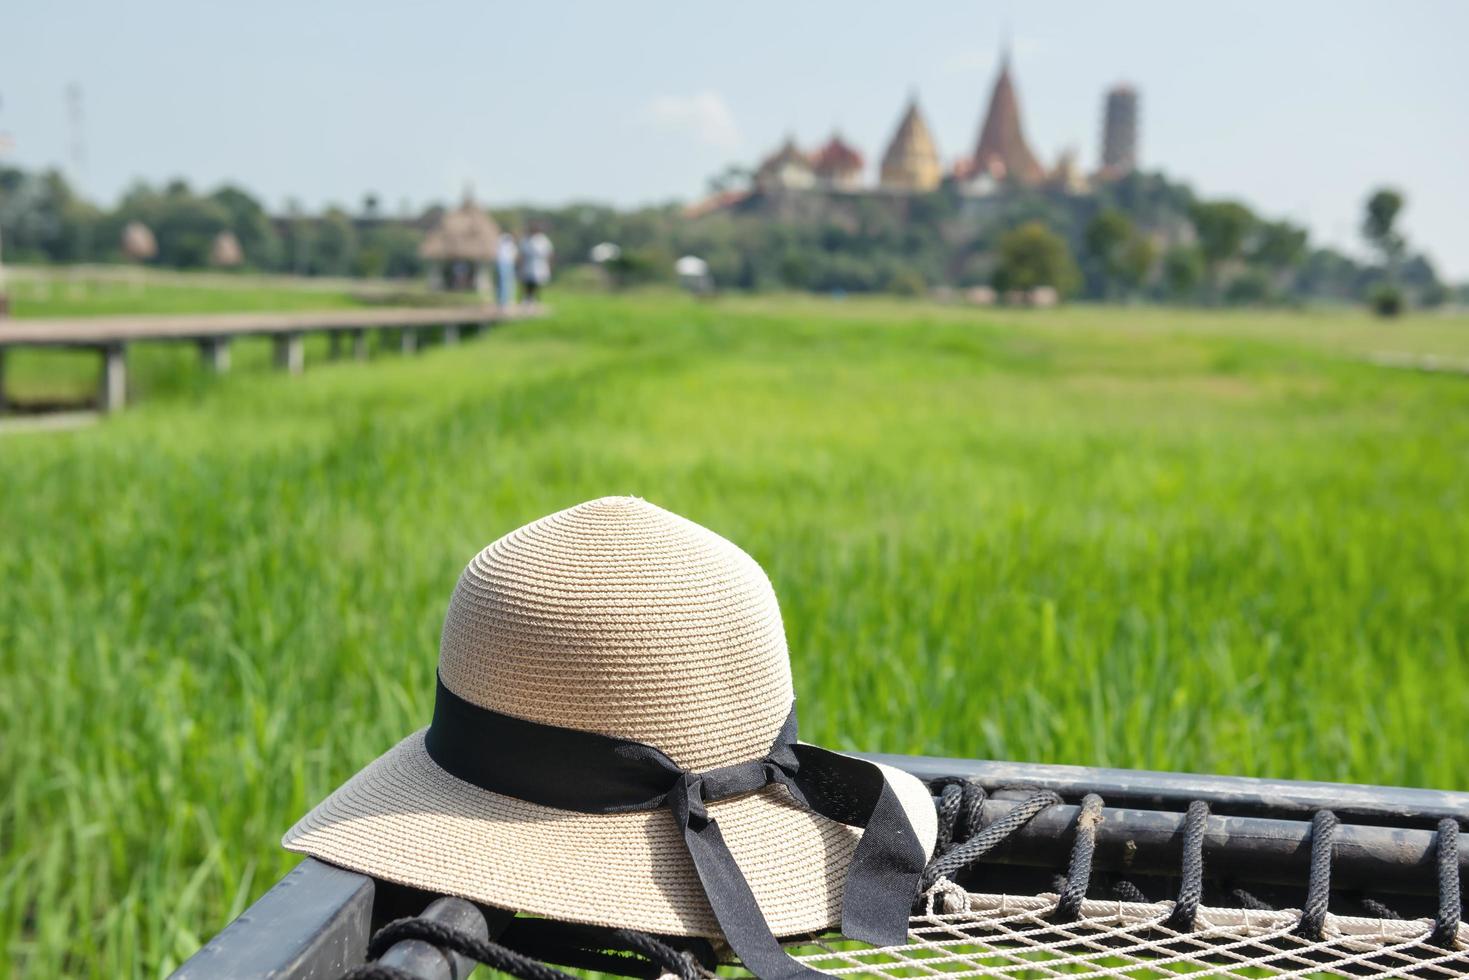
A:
(1142, 238)
(42, 219)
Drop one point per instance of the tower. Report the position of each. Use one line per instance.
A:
(1001, 151)
(911, 162)
(1119, 131)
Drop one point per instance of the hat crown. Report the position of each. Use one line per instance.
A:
(618, 617)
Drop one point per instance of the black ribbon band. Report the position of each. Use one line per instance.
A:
(589, 773)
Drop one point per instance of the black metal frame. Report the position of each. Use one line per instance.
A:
(316, 922)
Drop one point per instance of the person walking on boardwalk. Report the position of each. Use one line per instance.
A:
(506, 256)
(535, 263)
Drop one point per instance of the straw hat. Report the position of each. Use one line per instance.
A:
(619, 618)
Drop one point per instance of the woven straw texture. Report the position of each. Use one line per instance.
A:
(615, 617)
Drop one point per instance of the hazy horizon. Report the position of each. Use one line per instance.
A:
(1299, 110)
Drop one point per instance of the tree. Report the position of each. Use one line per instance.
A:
(1379, 227)
(1105, 239)
(389, 250)
(1183, 271)
(1031, 256)
(1328, 274)
(335, 245)
(1222, 227)
(1278, 246)
(1136, 262)
(251, 226)
(184, 224)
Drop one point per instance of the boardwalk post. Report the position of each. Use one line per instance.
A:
(112, 395)
(216, 353)
(334, 345)
(359, 344)
(290, 353)
(451, 334)
(4, 404)
(408, 340)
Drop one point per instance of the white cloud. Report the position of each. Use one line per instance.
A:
(705, 115)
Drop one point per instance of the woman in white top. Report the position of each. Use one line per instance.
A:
(535, 264)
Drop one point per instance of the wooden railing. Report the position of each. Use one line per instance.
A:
(110, 336)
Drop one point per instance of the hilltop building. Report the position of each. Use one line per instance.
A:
(838, 165)
(911, 162)
(1068, 177)
(1119, 131)
(1001, 151)
(1002, 160)
(785, 169)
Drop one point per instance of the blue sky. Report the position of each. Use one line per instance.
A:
(1295, 107)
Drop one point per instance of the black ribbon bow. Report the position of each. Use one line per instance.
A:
(589, 773)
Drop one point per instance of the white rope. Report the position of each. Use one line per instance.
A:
(966, 934)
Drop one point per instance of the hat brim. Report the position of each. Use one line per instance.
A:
(403, 819)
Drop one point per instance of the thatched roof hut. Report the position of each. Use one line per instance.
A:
(465, 234)
(138, 242)
(226, 251)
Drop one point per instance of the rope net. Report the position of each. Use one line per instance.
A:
(969, 934)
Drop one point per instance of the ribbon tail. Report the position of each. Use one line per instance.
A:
(883, 877)
(734, 904)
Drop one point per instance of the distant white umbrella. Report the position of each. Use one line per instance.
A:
(691, 265)
(604, 252)
(693, 274)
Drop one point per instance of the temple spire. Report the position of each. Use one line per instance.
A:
(1001, 151)
(911, 161)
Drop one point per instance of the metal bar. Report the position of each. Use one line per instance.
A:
(1239, 795)
(313, 924)
(1243, 849)
(426, 961)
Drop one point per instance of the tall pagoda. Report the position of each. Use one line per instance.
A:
(1002, 151)
(911, 162)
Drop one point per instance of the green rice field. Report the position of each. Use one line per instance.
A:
(1208, 541)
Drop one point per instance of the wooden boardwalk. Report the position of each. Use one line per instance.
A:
(1431, 363)
(110, 336)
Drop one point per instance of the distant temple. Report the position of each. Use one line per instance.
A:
(1002, 156)
(1001, 151)
(785, 169)
(838, 165)
(911, 162)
